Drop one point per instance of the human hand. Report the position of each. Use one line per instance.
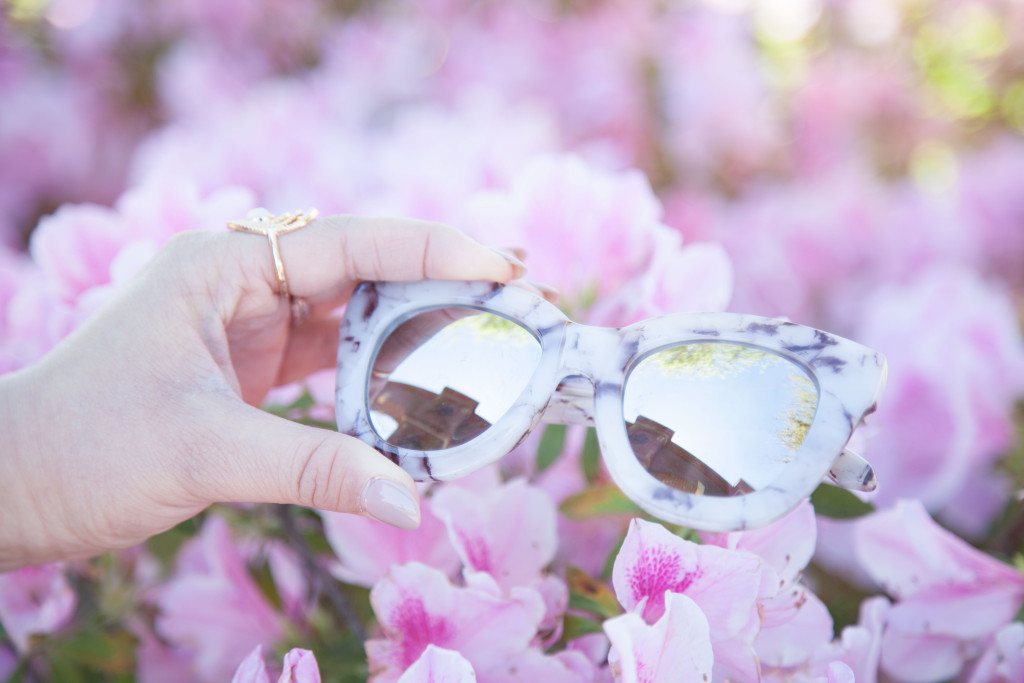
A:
(145, 415)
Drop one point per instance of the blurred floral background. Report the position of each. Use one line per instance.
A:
(855, 165)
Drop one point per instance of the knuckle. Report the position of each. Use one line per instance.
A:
(321, 479)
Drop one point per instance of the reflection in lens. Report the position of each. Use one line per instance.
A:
(717, 419)
(445, 375)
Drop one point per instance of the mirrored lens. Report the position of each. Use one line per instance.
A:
(715, 418)
(446, 375)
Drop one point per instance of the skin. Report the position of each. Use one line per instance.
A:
(145, 415)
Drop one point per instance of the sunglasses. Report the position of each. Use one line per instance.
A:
(716, 421)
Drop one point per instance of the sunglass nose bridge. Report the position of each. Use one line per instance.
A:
(572, 403)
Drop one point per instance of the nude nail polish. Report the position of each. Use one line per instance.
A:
(385, 500)
(519, 266)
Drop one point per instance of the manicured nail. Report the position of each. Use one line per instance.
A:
(518, 266)
(385, 500)
(547, 291)
(518, 252)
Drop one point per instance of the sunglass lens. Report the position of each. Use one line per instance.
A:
(446, 375)
(717, 419)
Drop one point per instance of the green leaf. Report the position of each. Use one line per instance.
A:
(551, 443)
(106, 652)
(574, 626)
(302, 403)
(598, 501)
(836, 503)
(591, 595)
(591, 456)
(264, 579)
(609, 562)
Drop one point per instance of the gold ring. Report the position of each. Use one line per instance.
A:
(272, 227)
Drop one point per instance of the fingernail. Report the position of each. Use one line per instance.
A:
(518, 252)
(547, 291)
(518, 266)
(385, 500)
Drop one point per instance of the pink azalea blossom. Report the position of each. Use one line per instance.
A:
(1004, 658)
(437, 665)
(719, 117)
(990, 195)
(729, 586)
(852, 656)
(299, 666)
(417, 606)
(677, 646)
(561, 205)
(696, 277)
(957, 367)
(35, 601)
(252, 669)
(936, 579)
(366, 549)
(795, 622)
(212, 607)
(508, 532)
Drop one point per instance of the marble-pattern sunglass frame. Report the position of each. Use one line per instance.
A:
(849, 378)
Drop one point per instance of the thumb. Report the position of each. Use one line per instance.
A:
(263, 458)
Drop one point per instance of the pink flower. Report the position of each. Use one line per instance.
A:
(508, 532)
(35, 600)
(990, 196)
(936, 579)
(696, 277)
(1004, 658)
(957, 368)
(727, 585)
(417, 606)
(76, 245)
(717, 108)
(676, 647)
(437, 665)
(300, 666)
(212, 607)
(252, 669)
(795, 622)
(155, 660)
(366, 549)
(852, 656)
(561, 205)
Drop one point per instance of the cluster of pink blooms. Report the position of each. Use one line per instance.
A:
(650, 157)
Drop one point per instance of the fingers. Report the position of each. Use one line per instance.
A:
(312, 346)
(326, 259)
(258, 457)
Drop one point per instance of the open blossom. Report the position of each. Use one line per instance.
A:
(956, 361)
(417, 606)
(508, 532)
(212, 606)
(936, 579)
(728, 586)
(561, 205)
(677, 646)
(437, 665)
(795, 623)
(35, 600)
(1004, 658)
(366, 549)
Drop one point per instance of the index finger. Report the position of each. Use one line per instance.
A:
(325, 260)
